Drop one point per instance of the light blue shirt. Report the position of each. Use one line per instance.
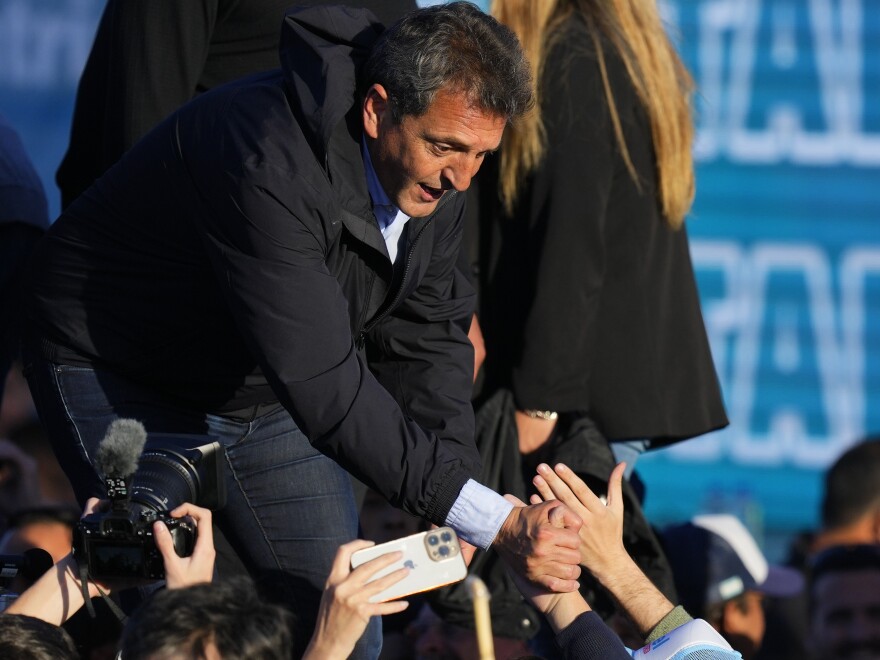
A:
(391, 219)
(478, 512)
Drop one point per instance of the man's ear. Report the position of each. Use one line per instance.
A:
(376, 110)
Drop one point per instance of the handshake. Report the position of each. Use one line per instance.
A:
(567, 528)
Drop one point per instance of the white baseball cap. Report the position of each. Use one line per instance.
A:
(694, 640)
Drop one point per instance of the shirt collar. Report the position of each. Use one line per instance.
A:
(383, 208)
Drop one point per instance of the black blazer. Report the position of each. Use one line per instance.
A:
(588, 299)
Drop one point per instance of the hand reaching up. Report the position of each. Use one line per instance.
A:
(601, 541)
(601, 535)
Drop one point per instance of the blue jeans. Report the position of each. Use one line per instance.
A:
(288, 506)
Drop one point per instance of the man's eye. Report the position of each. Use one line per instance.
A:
(441, 149)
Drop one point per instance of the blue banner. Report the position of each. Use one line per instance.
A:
(43, 48)
(786, 245)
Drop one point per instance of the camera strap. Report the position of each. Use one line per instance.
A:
(84, 585)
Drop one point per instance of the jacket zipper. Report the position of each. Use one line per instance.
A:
(362, 335)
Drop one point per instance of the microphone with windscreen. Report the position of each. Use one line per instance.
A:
(117, 458)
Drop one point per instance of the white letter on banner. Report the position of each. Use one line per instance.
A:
(857, 266)
(777, 394)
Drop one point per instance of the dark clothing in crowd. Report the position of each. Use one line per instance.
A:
(24, 216)
(149, 58)
(588, 637)
(22, 199)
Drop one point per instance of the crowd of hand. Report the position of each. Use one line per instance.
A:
(566, 528)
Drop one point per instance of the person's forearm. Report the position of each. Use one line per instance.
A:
(55, 596)
(321, 648)
(643, 602)
(564, 610)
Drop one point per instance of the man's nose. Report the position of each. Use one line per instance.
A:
(461, 170)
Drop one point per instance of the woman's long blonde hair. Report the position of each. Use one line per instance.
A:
(661, 80)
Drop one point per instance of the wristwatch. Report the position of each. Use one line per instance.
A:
(549, 415)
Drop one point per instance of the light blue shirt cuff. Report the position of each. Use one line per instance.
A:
(478, 513)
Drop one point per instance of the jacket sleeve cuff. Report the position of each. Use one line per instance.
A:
(477, 514)
(676, 617)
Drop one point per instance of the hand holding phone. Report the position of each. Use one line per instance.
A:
(433, 558)
(346, 607)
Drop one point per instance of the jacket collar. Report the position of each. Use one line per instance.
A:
(322, 51)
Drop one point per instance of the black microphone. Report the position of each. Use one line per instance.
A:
(118, 454)
(31, 564)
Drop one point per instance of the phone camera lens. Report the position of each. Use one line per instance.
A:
(443, 550)
(446, 536)
(433, 540)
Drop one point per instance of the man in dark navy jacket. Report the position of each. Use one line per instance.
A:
(274, 265)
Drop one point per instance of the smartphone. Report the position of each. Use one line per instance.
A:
(433, 557)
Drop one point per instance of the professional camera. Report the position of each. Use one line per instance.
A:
(146, 477)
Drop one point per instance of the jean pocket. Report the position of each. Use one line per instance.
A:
(82, 392)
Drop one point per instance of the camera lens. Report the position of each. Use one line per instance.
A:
(433, 540)
(443, 550)
(172, 470)
(446, 536)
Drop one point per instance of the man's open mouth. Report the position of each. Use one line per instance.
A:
(434, 193)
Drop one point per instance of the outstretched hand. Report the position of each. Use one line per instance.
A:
(345, 607)
(601, 542)
(541, 548)
(601, 535)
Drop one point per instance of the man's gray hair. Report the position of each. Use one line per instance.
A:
(453, 46)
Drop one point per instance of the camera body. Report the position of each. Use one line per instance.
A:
(123, 546)
(171, 470)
